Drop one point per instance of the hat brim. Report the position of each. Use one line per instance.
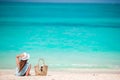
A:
(26, 56)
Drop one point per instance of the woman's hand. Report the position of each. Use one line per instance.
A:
(20, 56)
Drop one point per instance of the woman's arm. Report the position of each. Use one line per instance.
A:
(17, 59)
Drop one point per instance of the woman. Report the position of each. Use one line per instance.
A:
(23, 67)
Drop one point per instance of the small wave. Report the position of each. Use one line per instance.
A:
(37, 24)
(84, 66)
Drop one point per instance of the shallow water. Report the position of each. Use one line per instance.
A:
(65, 35)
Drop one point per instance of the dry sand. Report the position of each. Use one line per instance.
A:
(65, 75)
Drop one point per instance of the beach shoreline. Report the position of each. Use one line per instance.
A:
(81, 74)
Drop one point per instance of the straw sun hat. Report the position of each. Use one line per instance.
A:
(26, 56)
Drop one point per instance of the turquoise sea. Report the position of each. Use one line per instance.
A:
(66, 35)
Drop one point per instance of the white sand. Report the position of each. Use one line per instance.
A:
(65, 75)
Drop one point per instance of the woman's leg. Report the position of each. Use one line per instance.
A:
(28, 71)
